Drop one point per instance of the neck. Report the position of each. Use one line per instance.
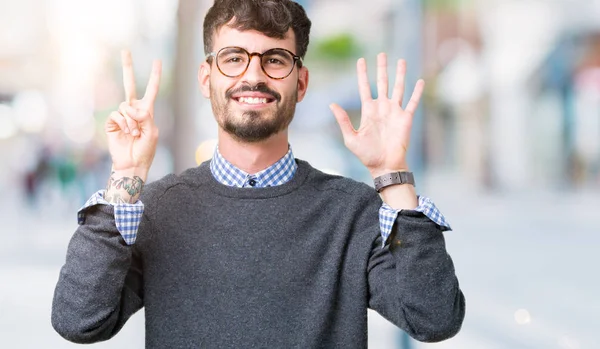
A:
(253, 157)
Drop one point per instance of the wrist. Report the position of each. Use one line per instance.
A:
(125, 185)
(130, 172)
(383, 171)
(392, 179)
(400, 196)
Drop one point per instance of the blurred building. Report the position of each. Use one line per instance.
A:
(502, 114)
(567, 93)
(512, 105)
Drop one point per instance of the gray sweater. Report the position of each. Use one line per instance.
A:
(292, 266)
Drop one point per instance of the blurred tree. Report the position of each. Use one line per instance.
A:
(336, 47)
(449, 5)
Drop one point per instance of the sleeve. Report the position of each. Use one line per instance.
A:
(127, 216)
(100, 284)
(412, 281)
(387, 216)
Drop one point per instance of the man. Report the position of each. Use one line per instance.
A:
(255, 248)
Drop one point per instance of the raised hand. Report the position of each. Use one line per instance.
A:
(132, 136)
(381, 142)
(131, 131)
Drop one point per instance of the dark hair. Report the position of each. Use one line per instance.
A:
(273, 18)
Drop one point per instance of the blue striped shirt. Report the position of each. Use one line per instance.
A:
(129, 216)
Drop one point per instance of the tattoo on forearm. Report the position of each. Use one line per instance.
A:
(116, 189)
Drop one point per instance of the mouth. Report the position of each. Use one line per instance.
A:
(259, 96)
(254, 100)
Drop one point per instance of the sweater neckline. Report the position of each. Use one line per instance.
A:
(254, 193)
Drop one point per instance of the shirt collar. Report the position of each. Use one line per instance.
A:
(277, 174)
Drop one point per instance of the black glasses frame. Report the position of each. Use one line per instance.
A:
(297, 59)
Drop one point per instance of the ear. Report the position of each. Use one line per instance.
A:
(302, 83)
(204, 79)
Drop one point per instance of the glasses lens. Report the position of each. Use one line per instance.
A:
(232, 61)
(277, 63)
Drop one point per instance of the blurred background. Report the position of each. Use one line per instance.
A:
(506, 142)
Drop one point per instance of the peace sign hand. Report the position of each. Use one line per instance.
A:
(131, 132)
(381, 142)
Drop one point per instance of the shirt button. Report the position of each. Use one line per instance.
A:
(252, 182)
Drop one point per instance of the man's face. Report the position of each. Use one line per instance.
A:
(252, 107)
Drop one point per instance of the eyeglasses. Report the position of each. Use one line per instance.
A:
(276, 63)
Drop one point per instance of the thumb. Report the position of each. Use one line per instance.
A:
(143, 118)
(344, 121)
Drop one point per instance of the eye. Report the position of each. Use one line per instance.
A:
(232, 56)
(233, 59)
(275, 61)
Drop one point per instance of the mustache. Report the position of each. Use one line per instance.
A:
(256, 88)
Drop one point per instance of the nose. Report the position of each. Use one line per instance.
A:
(254, 73)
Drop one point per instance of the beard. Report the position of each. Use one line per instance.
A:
(253, 126)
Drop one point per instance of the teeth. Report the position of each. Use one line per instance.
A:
(250, 100)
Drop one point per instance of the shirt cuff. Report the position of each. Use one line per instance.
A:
(127, 216)
(388, 215)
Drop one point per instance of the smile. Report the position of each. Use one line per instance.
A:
(254, 100)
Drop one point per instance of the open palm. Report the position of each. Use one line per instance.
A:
(381, 142)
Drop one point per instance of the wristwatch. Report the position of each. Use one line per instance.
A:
(393, 178)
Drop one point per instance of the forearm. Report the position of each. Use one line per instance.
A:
(125, 186)
(99, 286)
(400, 196)
(413, 282)
(432, 301)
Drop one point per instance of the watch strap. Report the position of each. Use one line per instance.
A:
(393, 178)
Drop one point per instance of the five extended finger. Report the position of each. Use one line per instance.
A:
(416, 97)
(382, 76)
(363, 81)
(344, 121)
(398, 93)
(128, 76)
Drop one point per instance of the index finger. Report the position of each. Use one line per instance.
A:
(153, 82)
(128, 77)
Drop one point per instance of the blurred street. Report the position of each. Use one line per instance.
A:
(506, 141)
(32, 251)
(526, 264)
